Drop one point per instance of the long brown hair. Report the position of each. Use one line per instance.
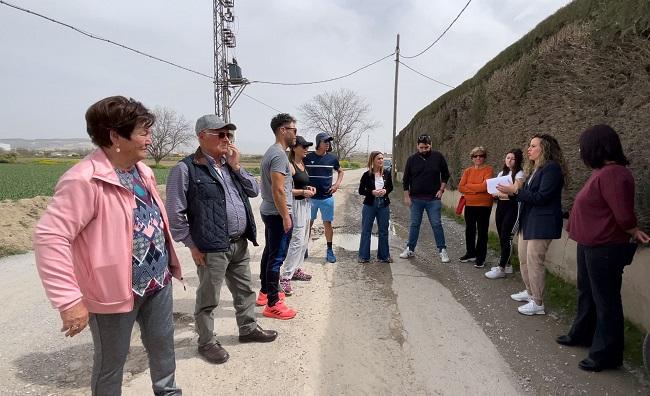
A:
(371, 160)
(551, 151)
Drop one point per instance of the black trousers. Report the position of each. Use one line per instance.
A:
(505, 218)
(477, 218)
(599, 320)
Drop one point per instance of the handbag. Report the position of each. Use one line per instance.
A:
(461, 205)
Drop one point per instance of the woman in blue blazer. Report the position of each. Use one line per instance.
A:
(375, 185)
(540, 216)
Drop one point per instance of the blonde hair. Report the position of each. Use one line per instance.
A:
(550, 151)
(371, 159)
(478, 149)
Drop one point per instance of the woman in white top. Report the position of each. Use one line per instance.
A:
(506, 215)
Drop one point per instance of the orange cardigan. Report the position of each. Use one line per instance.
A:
(474, 188)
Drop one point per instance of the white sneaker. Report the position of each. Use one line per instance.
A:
(521, 296)
(407, 253)
(444, 257)
(495, 273)
(531, 309)
(509, 269)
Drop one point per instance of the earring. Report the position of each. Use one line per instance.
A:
(117, 149)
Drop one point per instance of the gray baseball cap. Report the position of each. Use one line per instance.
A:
(211, 121)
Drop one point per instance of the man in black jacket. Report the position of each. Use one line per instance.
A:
(425, 177)
(209, 211)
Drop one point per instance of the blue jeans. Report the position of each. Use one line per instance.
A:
(433, 209)
(381, 211)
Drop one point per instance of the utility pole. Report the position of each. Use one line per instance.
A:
(392, 154)
(227, 74)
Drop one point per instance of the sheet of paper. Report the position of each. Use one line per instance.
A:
(492, 183)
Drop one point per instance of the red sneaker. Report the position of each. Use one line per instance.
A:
(262, 299)
(279, 311)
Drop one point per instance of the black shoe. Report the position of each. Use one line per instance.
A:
(479, 265)
(259, 335)
(588, 364)
(466, 257)
(214, 353)
(569, 341)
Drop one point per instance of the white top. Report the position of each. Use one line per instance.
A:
(518, 176)
(379, 182)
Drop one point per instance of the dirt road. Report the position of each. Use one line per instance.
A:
(413, 327)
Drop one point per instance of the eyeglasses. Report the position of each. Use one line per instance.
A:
(478, 156)
(221, 134)
(295, 130)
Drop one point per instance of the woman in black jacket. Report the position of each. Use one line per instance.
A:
(375, 185)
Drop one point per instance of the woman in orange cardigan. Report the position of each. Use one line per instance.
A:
(478, 207)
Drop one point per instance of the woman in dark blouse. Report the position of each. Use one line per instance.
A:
(375, 185)
(603, 224)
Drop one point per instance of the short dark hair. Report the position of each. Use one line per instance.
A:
(424, 138)
(116, 113)
(601, 143)
(281, 120)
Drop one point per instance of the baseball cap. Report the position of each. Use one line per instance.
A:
(300, 141)
(211, 121)
(324, 137)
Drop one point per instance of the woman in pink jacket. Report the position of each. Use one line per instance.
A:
(104, 252)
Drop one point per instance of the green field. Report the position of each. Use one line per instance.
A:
(31, 177)
(27, 180)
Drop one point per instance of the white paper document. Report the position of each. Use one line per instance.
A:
(492, 183)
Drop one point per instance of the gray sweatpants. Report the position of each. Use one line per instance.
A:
(233, 266)
(112, 338)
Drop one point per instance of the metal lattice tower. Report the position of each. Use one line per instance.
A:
(227, 74)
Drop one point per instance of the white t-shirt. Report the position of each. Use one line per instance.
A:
(519, 176)
(379, 182)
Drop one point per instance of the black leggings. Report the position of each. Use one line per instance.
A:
(505, 219)
(477, 218)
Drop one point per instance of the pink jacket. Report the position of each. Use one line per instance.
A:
(83, 242)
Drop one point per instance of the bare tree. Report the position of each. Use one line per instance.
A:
(169, 132)
(343, 114)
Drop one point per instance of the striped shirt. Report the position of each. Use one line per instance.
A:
(320, 169)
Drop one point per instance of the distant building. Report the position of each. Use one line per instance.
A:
(5, 147)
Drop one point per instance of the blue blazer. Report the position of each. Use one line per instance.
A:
(540, 215)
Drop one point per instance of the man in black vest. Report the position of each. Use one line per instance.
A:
(209, 211)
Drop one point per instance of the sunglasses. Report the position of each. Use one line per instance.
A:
(478, 156)
(424, 139)
(221, 134)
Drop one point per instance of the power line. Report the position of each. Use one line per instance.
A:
(262, 103)
(326, 80)
(442, 34)
(93, 36)
(425, 76)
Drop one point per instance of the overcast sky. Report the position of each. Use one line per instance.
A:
(50, 74)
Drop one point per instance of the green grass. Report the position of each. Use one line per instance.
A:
(27, 180)
(562, 296)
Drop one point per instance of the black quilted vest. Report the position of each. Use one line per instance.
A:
(206, 206)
